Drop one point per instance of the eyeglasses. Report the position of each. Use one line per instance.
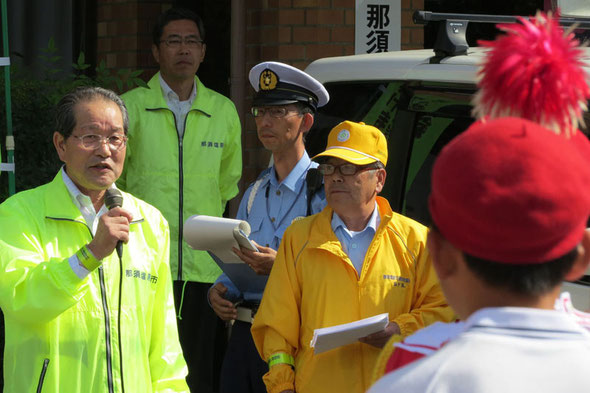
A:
(344, 169)
(277, 112)
(175, 42)
(92, 141)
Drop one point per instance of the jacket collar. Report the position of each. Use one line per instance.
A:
(202, 103)
(59, 204)
(524, 322)
(58, 201)
(327, 239)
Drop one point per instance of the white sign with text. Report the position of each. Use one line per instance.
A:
(377, 26)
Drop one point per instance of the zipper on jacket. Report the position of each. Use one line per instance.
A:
(180, 193)
(42, 376)
(107, 329)
(180, 203)
(180, 182)
(105, 309)
(181, 190)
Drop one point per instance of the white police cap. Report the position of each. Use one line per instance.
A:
(280, 84)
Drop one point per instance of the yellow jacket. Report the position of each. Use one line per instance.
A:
(62, 331)
(313, 284)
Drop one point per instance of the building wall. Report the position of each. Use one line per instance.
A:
(298, 32)
(295, 32)
(124, 33)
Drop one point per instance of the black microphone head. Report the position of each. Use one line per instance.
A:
(313, 179)
(113, 198)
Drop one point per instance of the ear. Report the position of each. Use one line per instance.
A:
(60, 145)
(156, 53)
(306, 123)
(381, 176)
(203, 51)
(582, 261)
(444, 255)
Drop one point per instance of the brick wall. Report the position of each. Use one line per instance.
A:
(412, 36)
(124, 33)
(295, 32)
(298, 32)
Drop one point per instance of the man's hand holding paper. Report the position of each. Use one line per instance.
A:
(380, 338)
(261, 262)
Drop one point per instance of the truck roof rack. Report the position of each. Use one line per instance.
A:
(450, 39)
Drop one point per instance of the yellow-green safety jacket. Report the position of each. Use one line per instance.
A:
(194, 174)
(313, 284)
(62, 331)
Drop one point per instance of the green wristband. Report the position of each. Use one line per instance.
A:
(281, 358)
(87, 259)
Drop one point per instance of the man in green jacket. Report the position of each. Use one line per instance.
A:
(184, 157)
(79, 319)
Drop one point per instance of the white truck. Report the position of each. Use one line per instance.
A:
(420, 99)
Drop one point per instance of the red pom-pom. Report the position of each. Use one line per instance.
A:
(535, 72)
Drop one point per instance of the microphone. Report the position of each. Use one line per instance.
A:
(113, 198)
(313, 179)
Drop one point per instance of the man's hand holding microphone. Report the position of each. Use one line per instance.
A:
(113, 227)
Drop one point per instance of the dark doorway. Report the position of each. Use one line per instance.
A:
(216, 15)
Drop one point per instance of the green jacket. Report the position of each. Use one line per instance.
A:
(197, 174)
(61, 331)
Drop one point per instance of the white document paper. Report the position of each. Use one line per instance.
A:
(217, 235)
(328, 338)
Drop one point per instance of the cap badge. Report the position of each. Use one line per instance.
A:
(268, 80)
(343, 136)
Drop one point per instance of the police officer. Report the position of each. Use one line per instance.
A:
(284, 105)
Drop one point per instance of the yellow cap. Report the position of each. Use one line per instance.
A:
(357, 143)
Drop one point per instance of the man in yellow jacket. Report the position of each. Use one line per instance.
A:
(355, 259)
(78, 317)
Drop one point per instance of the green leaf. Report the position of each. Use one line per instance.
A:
(140, 82)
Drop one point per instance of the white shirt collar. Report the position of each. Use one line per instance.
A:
(373, 222)
(171, 94)
(83, 202)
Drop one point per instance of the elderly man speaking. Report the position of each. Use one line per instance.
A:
(355, 259)
(79, 319)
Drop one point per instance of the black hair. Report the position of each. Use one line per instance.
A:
(524, 279)
(530, 279)
(176, 13)
(65, 119)
(304, 108)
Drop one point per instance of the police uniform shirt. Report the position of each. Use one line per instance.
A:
(275, 206)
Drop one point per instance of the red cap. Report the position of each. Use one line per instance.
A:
(511, 191)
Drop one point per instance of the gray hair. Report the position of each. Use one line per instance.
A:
(65, 120)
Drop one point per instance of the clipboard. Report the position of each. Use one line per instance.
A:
(217, 236)
(242, 276)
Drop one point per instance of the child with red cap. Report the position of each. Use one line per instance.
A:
(532, 72)
(508, 227)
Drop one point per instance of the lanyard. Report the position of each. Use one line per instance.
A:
(266, 192)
